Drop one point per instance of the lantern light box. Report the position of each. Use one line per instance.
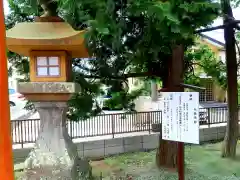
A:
(50, 47)
(48, 66)
(51, 66)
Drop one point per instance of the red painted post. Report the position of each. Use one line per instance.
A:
(175, 79)
(180, 161)
(6, 161)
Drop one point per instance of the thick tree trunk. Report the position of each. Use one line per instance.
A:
(231, 137)
(166, 156)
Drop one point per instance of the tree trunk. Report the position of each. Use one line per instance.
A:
(50, 12)
(166, 156)
(231, 137)
(49, 7)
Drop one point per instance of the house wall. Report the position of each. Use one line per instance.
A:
(214, 48)
(219, 94)
(145, 103)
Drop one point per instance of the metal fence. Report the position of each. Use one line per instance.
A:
(26, 131)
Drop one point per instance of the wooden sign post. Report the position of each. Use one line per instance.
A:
(181, 168)
(175, 78)
(181, 110)
(181, 121)
(6, 161)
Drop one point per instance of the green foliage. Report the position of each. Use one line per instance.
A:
(238, 93)
(146, 89)
(203, 58)
(84, 104)
(123, 100)
(19, 64)
(125, 36)
(142, 33)
(235, 3)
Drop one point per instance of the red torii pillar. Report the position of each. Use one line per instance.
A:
(6, 158)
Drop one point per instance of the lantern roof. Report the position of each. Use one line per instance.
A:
(38, 36)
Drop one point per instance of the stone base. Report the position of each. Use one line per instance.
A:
(50, 166)
(46, 91)
(54, 156)
(80, 170)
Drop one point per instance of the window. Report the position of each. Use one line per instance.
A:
(48, 66)
(207, 94)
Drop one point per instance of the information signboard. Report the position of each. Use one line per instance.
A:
(180, 117)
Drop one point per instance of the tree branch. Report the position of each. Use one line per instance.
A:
(86, 68)
(124, 76)
(233, 22)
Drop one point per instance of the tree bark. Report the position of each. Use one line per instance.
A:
(167, 156)
(231, 137)
(50, 12)
(49, 7)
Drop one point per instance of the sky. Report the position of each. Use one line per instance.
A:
(6, 9)
(217, 34)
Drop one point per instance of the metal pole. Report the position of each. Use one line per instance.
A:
(6, 161)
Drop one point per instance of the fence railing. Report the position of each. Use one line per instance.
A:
(214, 115)
(26, 131)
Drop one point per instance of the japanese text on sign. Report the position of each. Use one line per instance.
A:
(181, 117)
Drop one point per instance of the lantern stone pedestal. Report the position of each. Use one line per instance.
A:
(54, 156)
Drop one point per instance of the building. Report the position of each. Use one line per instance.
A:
(213, 92)
(13, 79)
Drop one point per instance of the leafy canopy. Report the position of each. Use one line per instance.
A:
(204, 60)
(127, 36)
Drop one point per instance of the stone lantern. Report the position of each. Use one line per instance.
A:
(50, 45)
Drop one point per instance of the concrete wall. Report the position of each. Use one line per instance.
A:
(102, 148)
(145, 103)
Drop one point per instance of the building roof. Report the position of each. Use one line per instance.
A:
(213, 41)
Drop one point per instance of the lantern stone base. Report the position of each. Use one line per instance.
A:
(54, 156)
(48, 91)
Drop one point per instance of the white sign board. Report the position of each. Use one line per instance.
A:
(180, 117)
